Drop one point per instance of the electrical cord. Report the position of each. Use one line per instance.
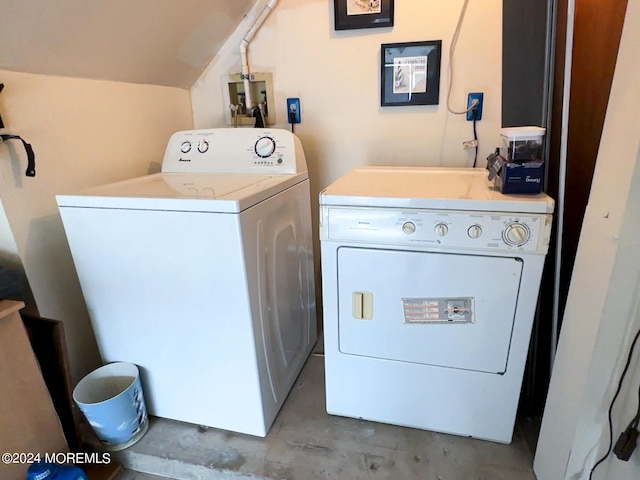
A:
(636, 420)
(474, 114)
(613, 401)
(452, 49)
(628, 439)
(1, 122)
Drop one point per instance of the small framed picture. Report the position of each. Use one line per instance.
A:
(410, 73)
(353, 14)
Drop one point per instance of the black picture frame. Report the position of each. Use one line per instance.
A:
(410, 73)
(355, 14)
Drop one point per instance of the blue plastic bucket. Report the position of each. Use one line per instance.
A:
(111, 399)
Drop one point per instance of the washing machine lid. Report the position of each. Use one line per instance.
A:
(430, 188)
(225, 193)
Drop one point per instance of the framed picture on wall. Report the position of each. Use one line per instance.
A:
(353, 14)
(410, 73)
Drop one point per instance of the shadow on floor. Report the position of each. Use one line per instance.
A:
(306, 443)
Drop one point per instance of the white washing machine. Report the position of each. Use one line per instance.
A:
(202, 275)
(430, 280)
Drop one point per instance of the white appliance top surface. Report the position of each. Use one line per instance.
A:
(428, 187)
(202, 192)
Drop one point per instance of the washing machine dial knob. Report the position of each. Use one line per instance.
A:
(185, 147)
(516, 234)
(474, 231)
(264, 147)
(203, 146)
(409, 228)
(441, 229)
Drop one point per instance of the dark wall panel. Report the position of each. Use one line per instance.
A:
(523, 61)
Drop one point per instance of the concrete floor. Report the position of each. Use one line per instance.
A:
(306, 443)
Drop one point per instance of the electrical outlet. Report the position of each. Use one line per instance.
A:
(479, 96)
(293, 110)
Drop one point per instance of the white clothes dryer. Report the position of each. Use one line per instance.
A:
(430, 280)
(202, 275)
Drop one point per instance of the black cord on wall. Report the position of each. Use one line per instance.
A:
(474, 113)
(31, 157)
(613, 401)
(1, 122)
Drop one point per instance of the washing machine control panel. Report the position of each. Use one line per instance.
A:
(234, 150)
(440, 229)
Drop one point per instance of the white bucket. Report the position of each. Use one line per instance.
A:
(111, 399)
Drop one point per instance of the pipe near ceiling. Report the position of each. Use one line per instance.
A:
(244, 45)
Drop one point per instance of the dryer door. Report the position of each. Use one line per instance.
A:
(447, 310)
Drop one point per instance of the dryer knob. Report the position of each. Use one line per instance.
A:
(516, 234)
(441, 229)
(409, 228)
(474, 231)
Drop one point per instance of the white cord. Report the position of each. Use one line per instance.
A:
(452, 49)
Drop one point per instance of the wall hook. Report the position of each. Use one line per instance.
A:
(31, 157)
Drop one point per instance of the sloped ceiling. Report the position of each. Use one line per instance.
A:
(158, 42)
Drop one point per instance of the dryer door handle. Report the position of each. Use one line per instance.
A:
(362, 308)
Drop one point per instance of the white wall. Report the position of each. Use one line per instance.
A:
(602, 312)
(84, 132)
(336, 75)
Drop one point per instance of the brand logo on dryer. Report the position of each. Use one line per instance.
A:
(184, 159)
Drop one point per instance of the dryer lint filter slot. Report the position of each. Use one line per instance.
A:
(438, 310)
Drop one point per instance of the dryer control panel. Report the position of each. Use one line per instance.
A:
(234, 150)
(493, 231)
